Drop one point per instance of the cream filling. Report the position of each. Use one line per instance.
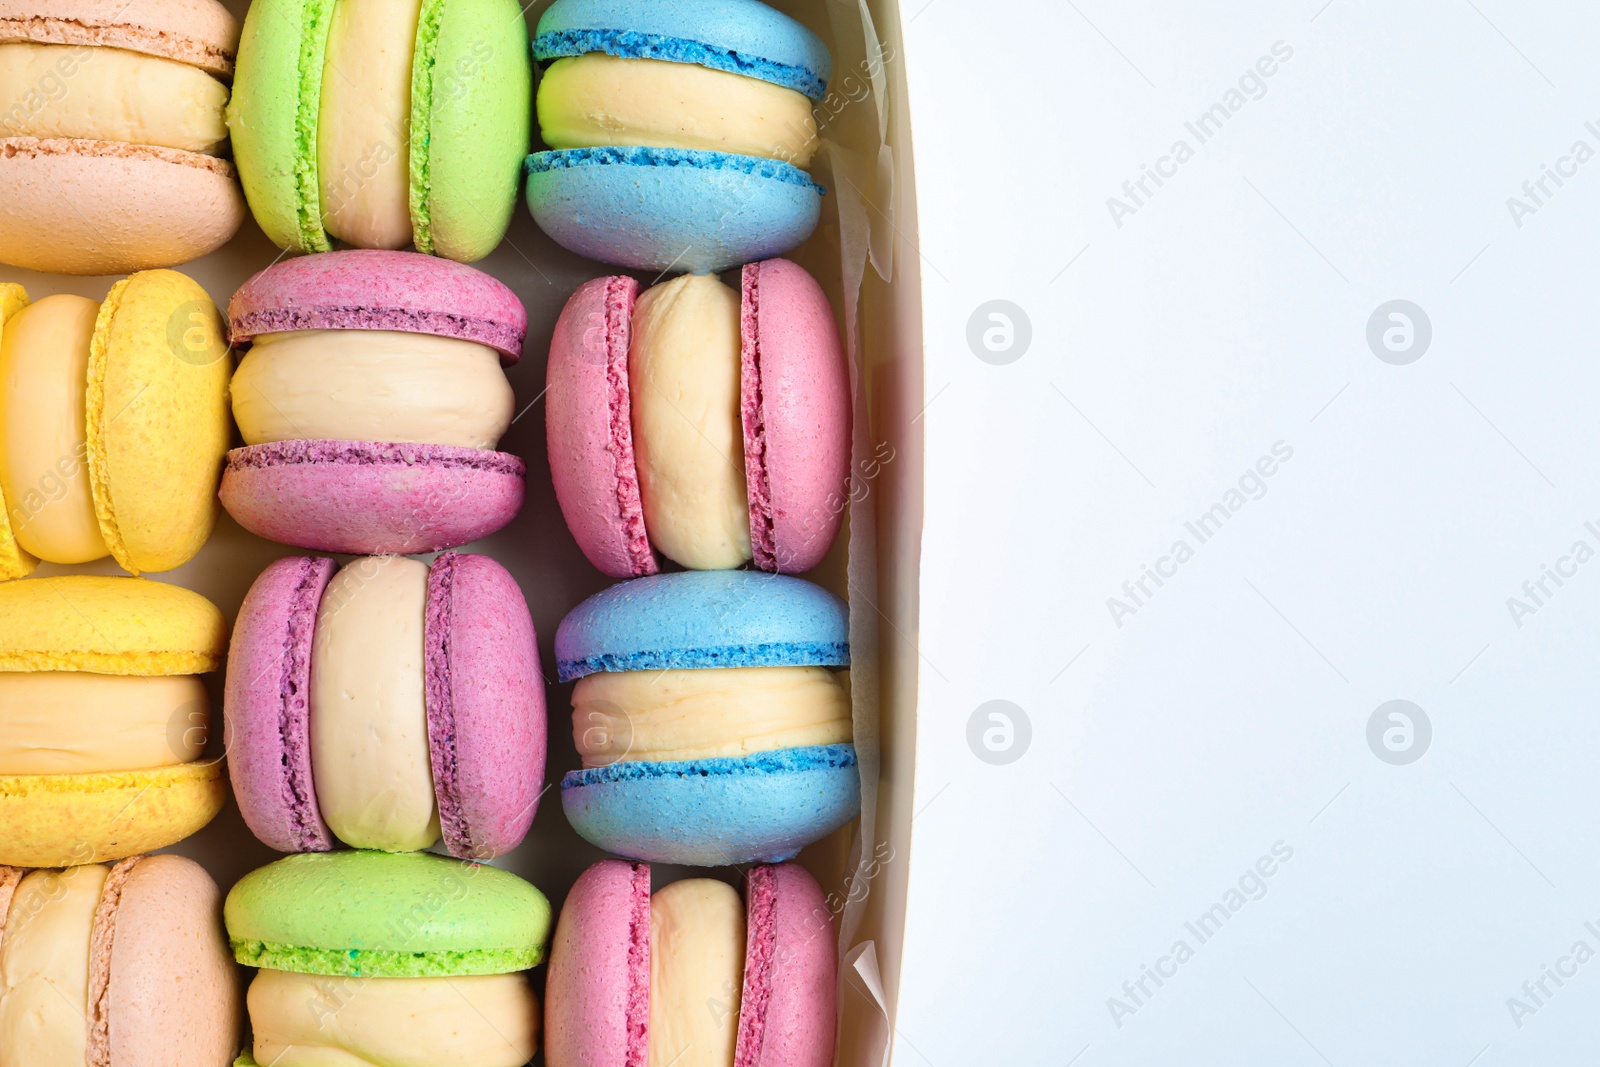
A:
(371, 385)
(683, 371)
(72, 723)
(44, 967)
(108, 94)
(698, 714)
(307, 1020)
(697, 944)
(364, 123)
(369, 726)
(595, 99)
(44, 361)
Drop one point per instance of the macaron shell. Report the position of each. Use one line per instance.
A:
(273, 117)
(597, 990)
(201, 33)
(107, 625)
(691, 619)
(709, 813)
(472, 91)
(589, 428)
(795, 408)
(788, 1006)
(173, 996)
(369, 498)
(65, 820)
(741, 36)
(386, 914)
(485, 706)
(375, 289)
(671, 208)
(266, 705)
(14, 561)
(133, 207)
(157, 418)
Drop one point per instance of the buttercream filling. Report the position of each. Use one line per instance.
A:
(597, 100)
(683, 372)
(364, 122)
(697, 943)
(369, 728)
(44, 360)
(701, 714)
(308, 1020)
(44, 967)
(109, 94)
(371, 385)
(64, 722)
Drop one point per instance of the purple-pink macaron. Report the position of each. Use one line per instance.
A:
(387, 705)
(703, 424)
(615, 984)
(371, 399)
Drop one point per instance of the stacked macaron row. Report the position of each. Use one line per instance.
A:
(704, 424)
(391, 705)
(113, 958)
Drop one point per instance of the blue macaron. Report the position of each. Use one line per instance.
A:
(761, 807)
(687, 209)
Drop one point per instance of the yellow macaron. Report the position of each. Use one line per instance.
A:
(105, 721)
(113, 424)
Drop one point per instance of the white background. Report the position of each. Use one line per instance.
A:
(1230, 712)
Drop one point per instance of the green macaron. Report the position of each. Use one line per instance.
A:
(461, 147)
(386, 915)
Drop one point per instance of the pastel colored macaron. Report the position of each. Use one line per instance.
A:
(711, 728)
(677, 133)
(698, 423)
(112, 135)
(370, 401)
(631, 974)
(113, 424)
(105, 724)
(387, 705)
(121, 966)
(418, 957)
(383, 123)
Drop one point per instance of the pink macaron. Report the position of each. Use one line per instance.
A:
(768, 428)
(388, 705)
(370, 400)
(598, 996)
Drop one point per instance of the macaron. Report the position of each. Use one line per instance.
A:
(696, 422)
(632, 975)
(383, 123)
(375, 957)
(677, 133)
(711, 729)
(105, 724)
(387, 705)
(121, 966)
(113, 424)
(112, 136)
(370, 401)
